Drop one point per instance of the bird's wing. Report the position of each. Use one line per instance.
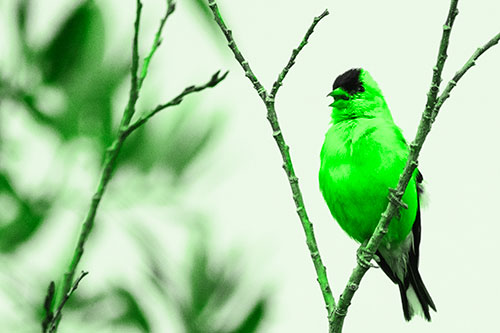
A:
(414, 295)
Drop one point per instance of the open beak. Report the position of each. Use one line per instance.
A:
(339, 94)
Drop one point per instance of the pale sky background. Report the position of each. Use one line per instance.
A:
(245, 191)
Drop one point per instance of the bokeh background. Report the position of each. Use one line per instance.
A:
(197, 231)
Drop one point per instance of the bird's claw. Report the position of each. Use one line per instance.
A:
(362, 256)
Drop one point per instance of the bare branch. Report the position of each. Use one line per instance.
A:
(397, 194)
(157, 41)
(113, 151)
(214, 80)
(57, 314)
(279, 81)
(237, 54)
(268, 100)
(458, 75)
(134, 83)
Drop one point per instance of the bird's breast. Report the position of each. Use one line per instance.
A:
(359, 162)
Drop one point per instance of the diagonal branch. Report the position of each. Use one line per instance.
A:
(156, 43)
(57, 314)
(458, 75)
(279, 81)
(397, 194)
(237, 54)
(268, 100)
(214, 80)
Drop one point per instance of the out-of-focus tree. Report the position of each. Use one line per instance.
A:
(71, 65)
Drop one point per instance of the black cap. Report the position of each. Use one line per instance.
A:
(349, 81)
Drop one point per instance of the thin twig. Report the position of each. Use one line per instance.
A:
(237, 54)
(279, 81)
(214, 80)
(112, 152)
(134, 82)
(458, 75)
(47, 306)
(57, 314)
(109, 161)
(397, 194)
(268, 99)
(157, 41)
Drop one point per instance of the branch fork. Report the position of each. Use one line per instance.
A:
(337, 312)
(67, 287)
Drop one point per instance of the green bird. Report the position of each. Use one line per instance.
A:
(363, 155)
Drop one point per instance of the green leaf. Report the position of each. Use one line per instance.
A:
(90, 106)
(25, 221)
(22, 10)
(177, 147)
(138, 150)
(188, 138)
(77, 46)
(47, 305)
(133, 314)
(253, 319)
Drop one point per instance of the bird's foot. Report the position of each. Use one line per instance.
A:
(364, 257)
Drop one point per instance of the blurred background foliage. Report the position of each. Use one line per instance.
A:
(67, 91)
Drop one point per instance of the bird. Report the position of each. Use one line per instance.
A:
(362, 157)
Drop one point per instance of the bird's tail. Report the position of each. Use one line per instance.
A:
(414, 296)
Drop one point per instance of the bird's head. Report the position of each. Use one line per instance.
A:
(356, 95)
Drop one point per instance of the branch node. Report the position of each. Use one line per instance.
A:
(352, 286)
(340, 312)
(396, 198)
(315, 255)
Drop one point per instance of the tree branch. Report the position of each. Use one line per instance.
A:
(134, 83)
(112, 152)
(412, 162)
(214, 80)
(157, 41)
(237, 54)
(279, 81)
(458, 75)
(57, 314)
(268, 100)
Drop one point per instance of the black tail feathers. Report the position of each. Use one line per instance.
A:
(414, 286)
(414, 296)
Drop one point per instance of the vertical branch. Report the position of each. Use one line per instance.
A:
(109, 163)
(268, 99)
(134, 91)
